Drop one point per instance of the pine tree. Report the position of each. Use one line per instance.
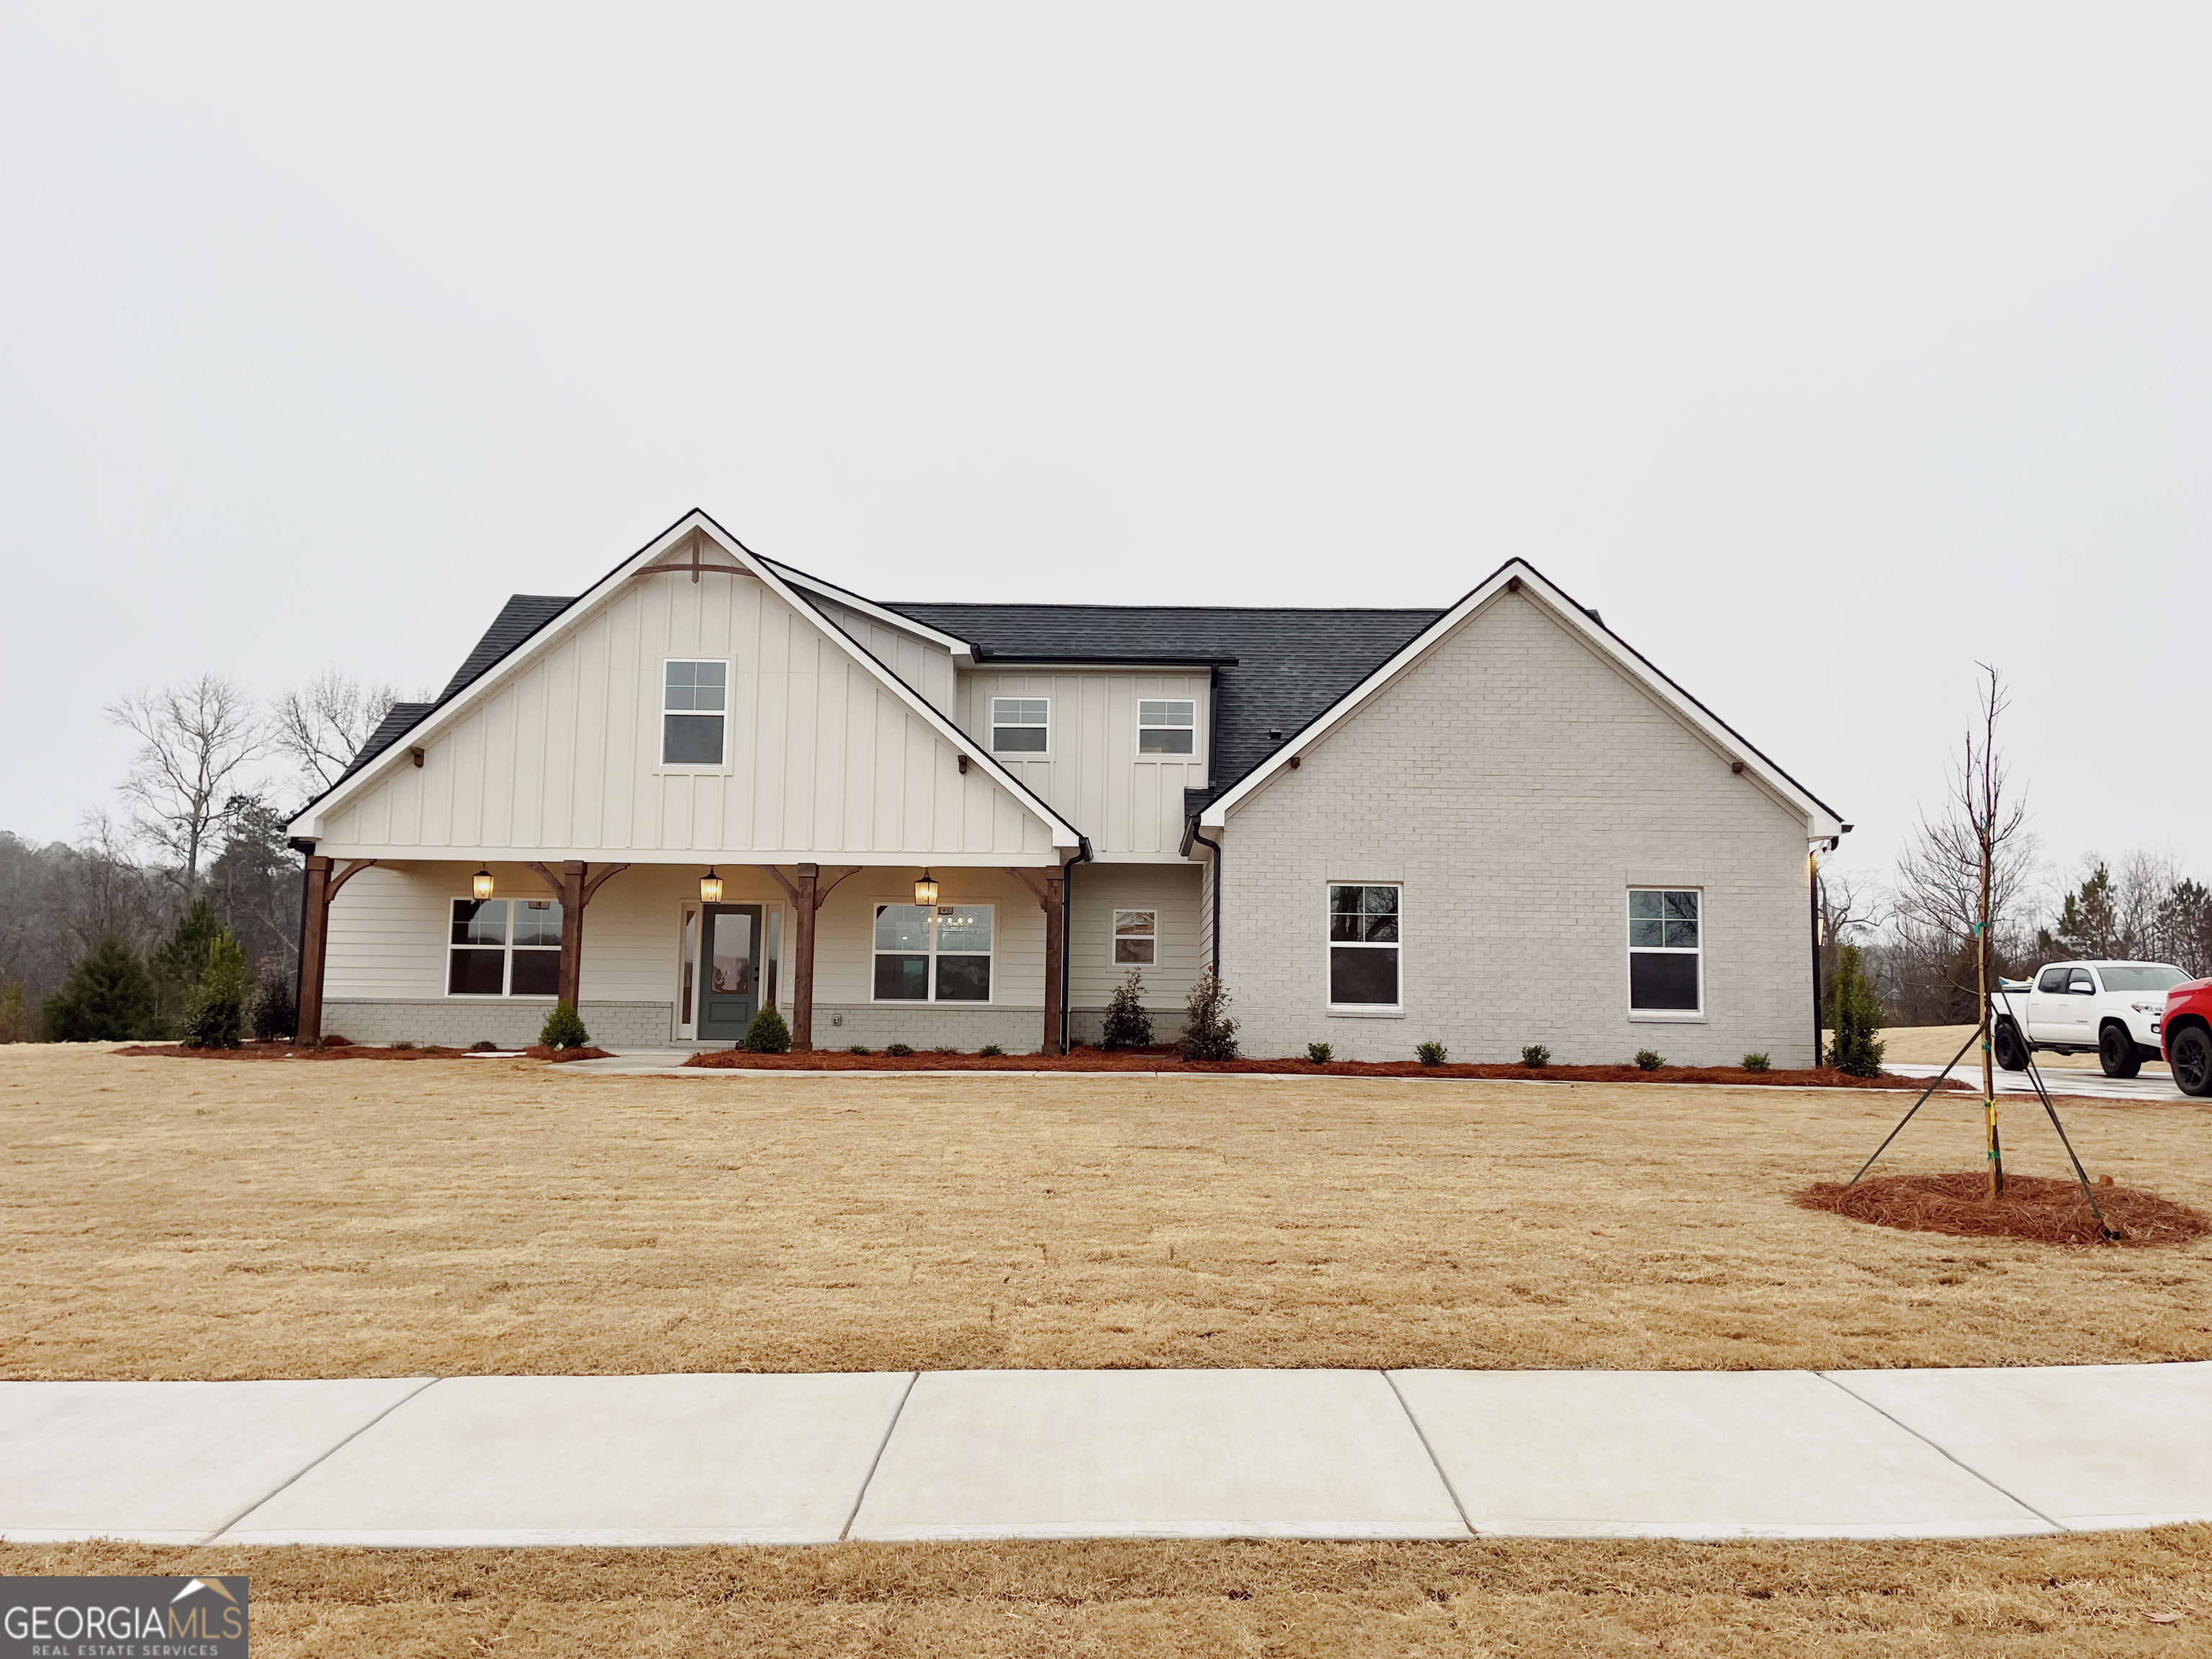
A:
(108, 998)
(1854, 1014)
(215, 1014)
(177, 965)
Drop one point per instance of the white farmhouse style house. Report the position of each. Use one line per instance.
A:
(712, 782)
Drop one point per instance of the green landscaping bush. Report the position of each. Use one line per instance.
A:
(1535, 1056)
(1433, 1054)
(1648, 1059)
(1320, 1052)
(898, 1051)
(404, 1042)
(216, 1011)
(1127, 1024)
(1756, 1063)
(990, 1051)
(107, 998)
(1854, 1014)
(564, 1029)
(276, 1015)
(860, 1049)
(768, 1034)
(484, 1045)
(1210, 1034)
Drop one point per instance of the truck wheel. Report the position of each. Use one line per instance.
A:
(2115, 1051)
(2192, 1054)
(2011, 1052)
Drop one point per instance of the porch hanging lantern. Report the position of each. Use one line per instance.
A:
(482, 884)
(710, 887)
(925, 890)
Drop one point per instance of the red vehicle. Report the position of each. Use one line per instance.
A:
(2186, 1033)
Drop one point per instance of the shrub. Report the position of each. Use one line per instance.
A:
(11, 1013)
(564, 1029)
(405, 1043)
(768, 1034)
(1756, 1063)
(484, 1045)
(944, 1049)
(1127, 1024)
(214, 1013)
(107, 998)
(860, 1049)
(1320, 1052)
(1648, 1059)
(1210, 1034)
(276, 1015)
(990, 1051)
(898, 1051)
(1535, 1056)
(332, 1040)
(178, 965)
(1433, 1054)
(1856, 1012)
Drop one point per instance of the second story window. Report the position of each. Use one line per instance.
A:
(1020, 725)
(1165, 727)
(694, 706)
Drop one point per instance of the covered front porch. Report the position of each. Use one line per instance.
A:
(660, 954)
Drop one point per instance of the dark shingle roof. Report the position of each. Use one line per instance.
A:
(399, 720)
(1291, 666)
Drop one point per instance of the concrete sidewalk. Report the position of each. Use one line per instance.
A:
(787, 1459)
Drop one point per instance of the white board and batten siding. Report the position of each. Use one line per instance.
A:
(1130, 804)
(562, 756)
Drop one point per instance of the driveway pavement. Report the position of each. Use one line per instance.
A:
(789, 1458)
(2150, 1085)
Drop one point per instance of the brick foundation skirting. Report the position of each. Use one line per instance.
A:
(513, 1025)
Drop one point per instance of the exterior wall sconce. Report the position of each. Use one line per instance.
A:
(482, 885)
(710, 887)
(925, 890)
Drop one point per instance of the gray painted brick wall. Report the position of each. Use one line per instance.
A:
(1518, 785)
(652, 1024)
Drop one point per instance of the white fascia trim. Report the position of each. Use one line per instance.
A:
(962, 652)
(305, 826)
(1821, 823)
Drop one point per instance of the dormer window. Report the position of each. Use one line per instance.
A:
(694, 706)
(1165, 727)
(1020, 725)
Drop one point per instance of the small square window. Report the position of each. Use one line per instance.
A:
(1165, 726)
(1136, 938)
(1020, 725)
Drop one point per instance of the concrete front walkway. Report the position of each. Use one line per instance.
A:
(780, 1459)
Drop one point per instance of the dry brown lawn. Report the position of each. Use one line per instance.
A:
(2083, 1595)
(168, 1218)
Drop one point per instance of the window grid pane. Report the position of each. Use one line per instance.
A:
(933, 953)
(1363, 939)
(1663, 951)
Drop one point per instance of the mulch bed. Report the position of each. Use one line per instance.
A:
(339, 1051)
(2038, 1207)
(1163, 1060)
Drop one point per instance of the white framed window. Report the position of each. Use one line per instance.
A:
(1021, 726)
(934, 952)
(695, 703)
(1136, 939)
(1666, 953)
(504, 948)
(1166, 725)
(1363, 945)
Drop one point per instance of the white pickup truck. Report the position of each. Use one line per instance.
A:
(2111, 1008)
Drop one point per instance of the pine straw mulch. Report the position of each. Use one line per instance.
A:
(342, 1050)
(2040, 1208)
(1164, 1062)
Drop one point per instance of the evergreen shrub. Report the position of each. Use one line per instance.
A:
(1433, 1054)
(107, 998)
(276, 1015)
(898, 1051)
(768, 1034)
(564, 1029)
(990, 1051)
(1127, 1024)
(1210, 1034)
(860, 1049)
(1648, 1059)
(1757, 1063)
(1320, 1052)
(1854, 1014)
(1535, 1056)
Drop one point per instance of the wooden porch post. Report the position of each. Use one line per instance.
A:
(314, 949)
(1055, 884)
(803, 905)
(572, 930)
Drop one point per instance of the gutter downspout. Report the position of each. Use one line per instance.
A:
(1066, 914)
(1813, 862)
(1214, 846)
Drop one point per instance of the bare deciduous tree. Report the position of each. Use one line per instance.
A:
(194, 738)
(320, 728)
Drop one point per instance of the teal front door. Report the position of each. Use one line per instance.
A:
(729, 970)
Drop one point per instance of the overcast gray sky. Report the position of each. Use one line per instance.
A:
(1825, 350)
